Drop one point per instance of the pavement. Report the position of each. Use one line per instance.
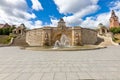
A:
(101, 64)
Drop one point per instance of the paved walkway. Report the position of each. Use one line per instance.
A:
(102, 64)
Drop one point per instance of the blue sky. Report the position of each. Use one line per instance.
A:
(39, 13)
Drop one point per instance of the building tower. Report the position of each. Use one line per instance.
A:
(114, 22)
(61, 24)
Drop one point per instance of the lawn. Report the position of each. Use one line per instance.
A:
(4, 39)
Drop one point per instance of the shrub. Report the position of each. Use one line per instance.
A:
(115, 39)
(115, 30)
(6, 31)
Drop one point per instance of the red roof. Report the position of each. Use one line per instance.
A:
(4, 25)
(1, 25)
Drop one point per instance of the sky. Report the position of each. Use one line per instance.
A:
(40, 13)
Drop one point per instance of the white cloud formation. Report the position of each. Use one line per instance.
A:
(92, 22)
(78, 9)
(76, 18)
(115, 5)
(103, 17)
(35, 24)
(36, 5)
(38, 24)
(54, 22)
(81, 8)
(13, 13)
(73, 6)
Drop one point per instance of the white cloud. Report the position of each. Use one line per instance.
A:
(76, 18)
(103, 17)
(32, 25)
(92, 22)
(81, 8)
(78, 9)
(16, 12)
(38, 24)
(115, 5)
(54, 22)
(73, 6)
(36, 5)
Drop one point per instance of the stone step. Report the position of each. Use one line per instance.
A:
(20, 41)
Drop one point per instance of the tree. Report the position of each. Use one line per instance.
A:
(6, 31)
(115, 30)
(0, 31)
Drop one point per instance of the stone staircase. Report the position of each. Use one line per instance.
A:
(19, 41)
(107, 41)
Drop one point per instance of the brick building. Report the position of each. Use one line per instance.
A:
(114, 21)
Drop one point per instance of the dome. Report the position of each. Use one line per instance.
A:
(100, 25)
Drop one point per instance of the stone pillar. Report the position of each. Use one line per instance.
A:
(76, 36)
(47, 36)
(105, 31)
(100, 31)
(73, 36)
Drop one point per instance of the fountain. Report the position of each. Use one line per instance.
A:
(63, 43)
(57, 44)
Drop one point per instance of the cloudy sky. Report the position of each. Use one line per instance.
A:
(39, 13)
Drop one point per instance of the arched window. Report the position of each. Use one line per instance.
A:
(103, 31)
(19, 31)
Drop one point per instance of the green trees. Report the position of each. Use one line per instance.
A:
(6, 31)
(115, 30)
(1, 31)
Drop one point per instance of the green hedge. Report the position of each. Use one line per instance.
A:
(115, 30)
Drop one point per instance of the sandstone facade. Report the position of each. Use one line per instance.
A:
(47, 36)
(102, 30)
(19, 30)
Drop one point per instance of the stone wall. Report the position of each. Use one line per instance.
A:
(76, 36)
(35, 37)
(48, 36)
(89, 36)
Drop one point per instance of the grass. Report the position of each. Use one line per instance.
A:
(4, 39)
